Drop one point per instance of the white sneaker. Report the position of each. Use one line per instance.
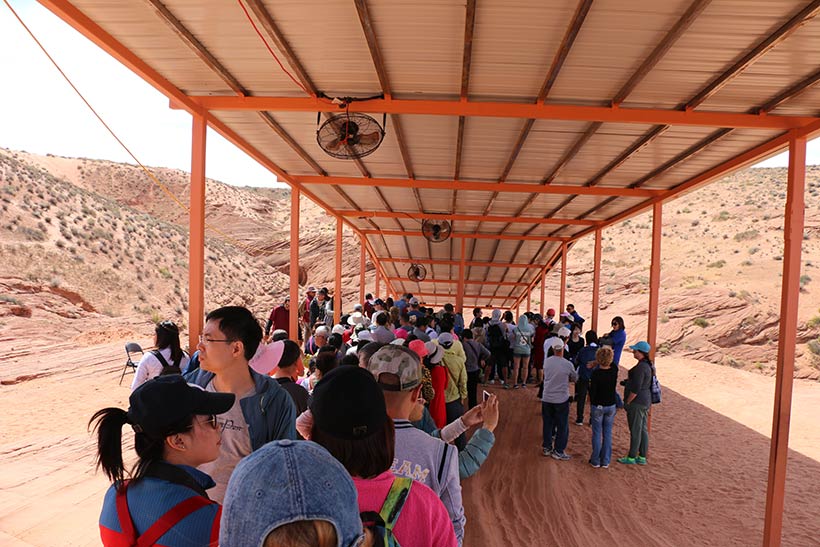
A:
(563, 456)
(546, 451)
(492, 382)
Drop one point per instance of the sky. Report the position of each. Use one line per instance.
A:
(40, 113)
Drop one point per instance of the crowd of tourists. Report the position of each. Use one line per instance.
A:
(360, 433)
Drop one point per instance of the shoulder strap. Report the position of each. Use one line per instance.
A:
(124, 515)
(443, 461)
(171, 518)
(394, 503)
(161, 359)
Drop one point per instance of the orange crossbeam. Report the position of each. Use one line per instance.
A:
(478, 186)
(477, 296)
(537, 111)
(510, 237)
(475, 264)
(476, 218)
(466, 282)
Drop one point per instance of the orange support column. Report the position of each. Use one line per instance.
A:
(196, 234)
(362, 266)
(461, 266)
(543, 288)
(529, 301)
(596, 280)
(337, 297)
(789, 296)
(563, 277)
(377, 283)
(294, 264)
(654, 276)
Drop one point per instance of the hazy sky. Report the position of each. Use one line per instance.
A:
(40, 113)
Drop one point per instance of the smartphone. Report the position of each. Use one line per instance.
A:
(486, 394)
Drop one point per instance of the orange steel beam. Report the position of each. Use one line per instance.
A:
(376, 284)
(196, 234)
(596, 280)
(468, 282)
(475, 218)
(337, 305)
(540, 111)
(460, 295)
(465, 235)
(520, 188)
(293, 317)
(563, 276)
(546, 267)
(543, 289)
(655, 277)
(362, 267)
(789, 299)
(450, 295)
(477, 264)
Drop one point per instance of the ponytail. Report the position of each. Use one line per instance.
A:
(108, 426)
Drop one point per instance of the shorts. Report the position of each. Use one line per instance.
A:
(537, 361)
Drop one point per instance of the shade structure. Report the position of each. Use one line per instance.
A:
(528, 125)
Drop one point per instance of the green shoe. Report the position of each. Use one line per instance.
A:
(640, 460)
(627, 461)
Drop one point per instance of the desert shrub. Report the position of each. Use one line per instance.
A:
(804, 280)
(32, 234)
(701, 322)
(9, 299)
(695, 222)
(747, 235)
(716, 264)
(723, 215)
(813, 322)
(814, 346)
(753, 250)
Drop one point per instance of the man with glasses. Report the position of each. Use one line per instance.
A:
(262, 412)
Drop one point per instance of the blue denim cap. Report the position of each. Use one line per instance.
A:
(289, 481)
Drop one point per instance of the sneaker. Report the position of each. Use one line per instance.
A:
(492, 382)
(595, 465)
(547, 451)
(523, 385)
(515, 386)
(627, 461)
(605, 466)
(579, 423)
(563, 456)
(506, 386)
(640, 460)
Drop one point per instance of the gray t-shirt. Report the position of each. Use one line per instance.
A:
(236, 444)
(558, 373)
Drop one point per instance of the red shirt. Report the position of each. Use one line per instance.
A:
(280, 317)
(437, 409)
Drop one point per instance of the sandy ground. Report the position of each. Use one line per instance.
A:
(705, 484)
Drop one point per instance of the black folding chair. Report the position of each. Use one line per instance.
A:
(131, 347)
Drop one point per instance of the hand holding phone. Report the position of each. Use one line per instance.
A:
(486, 395)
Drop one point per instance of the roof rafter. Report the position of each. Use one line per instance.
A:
(477, 264)
(446, 216)
(465, 235)
(466, 61)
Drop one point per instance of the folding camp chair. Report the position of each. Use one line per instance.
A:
(130, 347)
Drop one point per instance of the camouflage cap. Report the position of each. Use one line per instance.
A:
(396, 368)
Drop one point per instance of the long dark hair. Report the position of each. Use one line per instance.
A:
(620, 320)
(365, 458)
(107, 424)
(168, 337)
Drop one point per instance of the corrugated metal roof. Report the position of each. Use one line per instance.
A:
(517, 50)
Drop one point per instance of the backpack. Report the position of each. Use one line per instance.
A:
(383, 522)
(166, 368)
(496, 338)
(128, 536)
(655, 389)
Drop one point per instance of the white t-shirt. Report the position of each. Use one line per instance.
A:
(236, 444)
(150, 367)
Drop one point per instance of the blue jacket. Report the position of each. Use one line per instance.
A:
(270, 412)
(618, 341)
(578, 319)
(150, 497)
(584, 356)
(474, 454)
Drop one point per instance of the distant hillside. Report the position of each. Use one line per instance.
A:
(98, 241)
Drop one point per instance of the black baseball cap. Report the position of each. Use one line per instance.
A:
(159, 404)
(348, 404)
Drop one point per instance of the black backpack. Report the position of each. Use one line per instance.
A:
(166, 368)
(496, 337)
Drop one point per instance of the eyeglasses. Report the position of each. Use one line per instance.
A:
(211, 420)
(203, 340)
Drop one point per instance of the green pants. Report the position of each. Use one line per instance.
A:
(636, 416)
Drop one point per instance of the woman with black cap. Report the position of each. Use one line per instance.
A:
(162, 500)
(351, 422)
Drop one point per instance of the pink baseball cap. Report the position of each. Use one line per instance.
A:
(419, 347)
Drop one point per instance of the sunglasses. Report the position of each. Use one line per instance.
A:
(211, 420)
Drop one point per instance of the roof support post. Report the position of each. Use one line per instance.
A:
(655, 277)
(789, 297)
(529, 300)
(563, 276)
(293, 318)
(362, 265)
(377, 283)
(461, 264)
(196, 234)
(543, 289)
(337, 297)
(596, 280)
